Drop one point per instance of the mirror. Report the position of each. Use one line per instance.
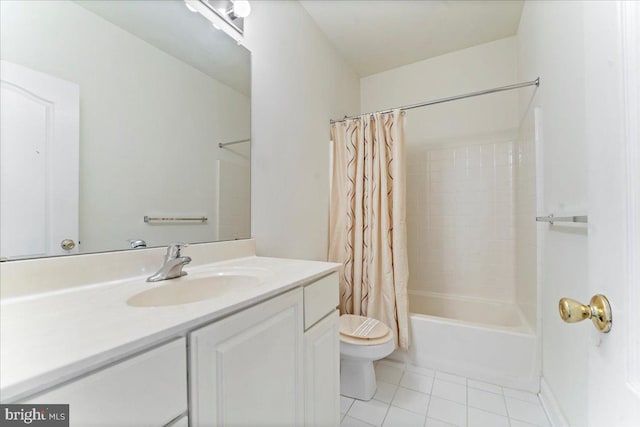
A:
(115, 121)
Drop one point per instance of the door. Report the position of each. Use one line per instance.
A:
(322, 373)
(246, 369)
(612, 32)
(39, 137)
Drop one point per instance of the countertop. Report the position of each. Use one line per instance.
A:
(49, 338)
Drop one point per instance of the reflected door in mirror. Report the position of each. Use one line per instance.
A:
(39, 134)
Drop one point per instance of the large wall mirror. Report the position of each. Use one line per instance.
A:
(115, 123)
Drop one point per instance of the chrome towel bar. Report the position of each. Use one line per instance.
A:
(551, 219)
(173, 219)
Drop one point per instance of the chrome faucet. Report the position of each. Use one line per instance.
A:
(137, 243)
(173, 263)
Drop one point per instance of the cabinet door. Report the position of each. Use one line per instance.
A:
(146, 390)
(246, 369)
(322, 373)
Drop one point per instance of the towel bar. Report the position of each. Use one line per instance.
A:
(551, 219)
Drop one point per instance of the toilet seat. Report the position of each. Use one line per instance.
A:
(363, 341)
(362, 327)
(363, 331)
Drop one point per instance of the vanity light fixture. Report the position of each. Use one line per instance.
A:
(225, 15)
(238, 9)
(187, 3)
(241, 8)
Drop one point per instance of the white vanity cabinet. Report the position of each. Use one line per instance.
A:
(149, 389)
(276, 363)
(246, 369)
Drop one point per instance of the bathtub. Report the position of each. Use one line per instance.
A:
(485, 340)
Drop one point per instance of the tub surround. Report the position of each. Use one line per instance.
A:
(51, 333)
(462, 217)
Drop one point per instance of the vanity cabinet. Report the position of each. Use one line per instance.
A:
(276, 363)
(246, 369)
(149, 389)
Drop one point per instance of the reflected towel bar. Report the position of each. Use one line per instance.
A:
(551, 219)
(224, 144)
(160, 219)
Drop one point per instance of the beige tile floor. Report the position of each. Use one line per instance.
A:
(412, 396)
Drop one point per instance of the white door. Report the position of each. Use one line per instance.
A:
(612, 87)
(39, 137)
(322, 373)
(246, 369)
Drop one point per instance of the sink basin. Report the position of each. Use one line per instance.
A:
(187, 290)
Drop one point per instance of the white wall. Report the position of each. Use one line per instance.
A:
(480, 67)
(145, 116)
(460, 181)
(551, 45)
(299, 82)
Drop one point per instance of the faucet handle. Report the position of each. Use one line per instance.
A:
(137, 243)
(173, 250)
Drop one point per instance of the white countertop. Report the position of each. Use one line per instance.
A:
(50, 338)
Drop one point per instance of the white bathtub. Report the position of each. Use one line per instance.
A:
(484, 340)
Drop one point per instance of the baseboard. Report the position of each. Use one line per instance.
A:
(551, 405)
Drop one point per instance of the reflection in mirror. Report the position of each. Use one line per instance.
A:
(113, 111)
(231, 11)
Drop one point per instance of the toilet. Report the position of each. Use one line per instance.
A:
(363, 340)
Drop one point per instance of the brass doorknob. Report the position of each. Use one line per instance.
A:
(598, 310)
(67, 244)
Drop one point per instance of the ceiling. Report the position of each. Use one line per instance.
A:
(186, 36)
(378, 35)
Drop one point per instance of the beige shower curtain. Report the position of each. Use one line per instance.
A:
(368, 232)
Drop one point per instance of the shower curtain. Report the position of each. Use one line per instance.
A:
(368, 232)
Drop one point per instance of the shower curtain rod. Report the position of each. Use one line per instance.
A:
(535, 82)
(224, 144)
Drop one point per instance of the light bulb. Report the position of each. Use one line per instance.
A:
(191, 8)
(241, 8)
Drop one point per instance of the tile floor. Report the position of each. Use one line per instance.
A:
(411, 396)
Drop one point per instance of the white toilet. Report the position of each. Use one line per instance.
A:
(362, 341)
